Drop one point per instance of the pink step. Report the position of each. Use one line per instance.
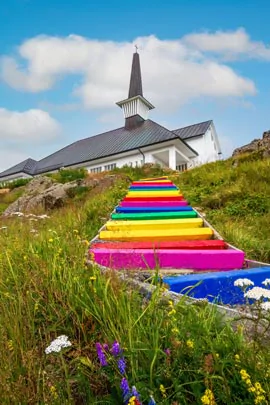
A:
(153, 204)
(221, 260)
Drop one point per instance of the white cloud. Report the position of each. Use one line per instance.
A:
(31, 125)
(174, 71)
(10, 157)
(231, 44)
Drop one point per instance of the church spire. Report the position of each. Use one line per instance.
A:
(135, 107)
(135, 85)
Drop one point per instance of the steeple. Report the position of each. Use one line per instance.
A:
(135, 107)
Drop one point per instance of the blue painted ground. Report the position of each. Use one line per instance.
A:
(217, 286)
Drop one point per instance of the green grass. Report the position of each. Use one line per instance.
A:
(46, 290)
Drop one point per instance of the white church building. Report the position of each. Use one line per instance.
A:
(139, 141)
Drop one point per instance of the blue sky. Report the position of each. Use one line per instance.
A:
(200, 60)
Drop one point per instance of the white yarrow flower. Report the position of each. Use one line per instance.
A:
(266, 282)
(266, 306)
(243, 282)
(256, 293)
(58, 344)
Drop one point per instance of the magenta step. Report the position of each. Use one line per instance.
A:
(221, 260)
(153, 204)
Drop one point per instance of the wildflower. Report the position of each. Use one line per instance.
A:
(237, 358)
(50, 240)
(92, 278)
(58, 344)
(257, 293)
(152, 401)
(116, 350)
(135, 392)
(243, 282)
(265, 306)
(162, 390)
(266, 282)
(101, 355)
(106, 347)
(53, 391)
(75, 231)
(167, 352)
(190, 344)
(122, 365)
(208, 398)
(175, 330)
(125, 389)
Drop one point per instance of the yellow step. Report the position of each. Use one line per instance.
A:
(154, 193)
(158, 234)
(162, 178)
(154, 224)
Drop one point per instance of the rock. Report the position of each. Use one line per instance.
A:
(41, 192)
(257, 145)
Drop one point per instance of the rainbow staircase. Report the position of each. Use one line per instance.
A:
(153, 226)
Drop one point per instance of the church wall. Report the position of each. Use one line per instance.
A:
(205, 146)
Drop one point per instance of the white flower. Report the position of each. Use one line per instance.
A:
(257, 293)
(266, 281)
(243, 282)
(265, 306)
(58, 344)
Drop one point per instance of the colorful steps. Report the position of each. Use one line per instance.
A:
(157, 224)
(157, 234)
(153, 209)
(149, 259)
(154, 226)
(164, 198)
(153, 215)
(184, 244)
(153, 203)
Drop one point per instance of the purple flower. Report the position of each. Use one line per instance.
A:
(106, 347)
(134, 392)
(116, 350)
(152, 401)
(122, 365)
(125, 389)
(167, 351)
(101, 355)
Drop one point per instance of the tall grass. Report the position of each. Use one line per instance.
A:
(173, 352)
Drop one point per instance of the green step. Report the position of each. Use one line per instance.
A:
(154, 215)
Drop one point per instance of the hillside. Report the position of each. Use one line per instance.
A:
(173, 353)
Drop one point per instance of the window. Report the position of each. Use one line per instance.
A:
(110, 167)
(96, 169)
(181, 168)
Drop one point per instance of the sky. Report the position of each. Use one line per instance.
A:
(65, 63)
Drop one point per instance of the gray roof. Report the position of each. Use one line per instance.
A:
(107, 144)
(135, 85)
(193, 130)
(27, 166)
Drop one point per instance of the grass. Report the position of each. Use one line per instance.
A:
(179, 354)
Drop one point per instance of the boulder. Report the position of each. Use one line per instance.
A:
(257, 145)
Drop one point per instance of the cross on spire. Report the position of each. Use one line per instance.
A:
(136, 47)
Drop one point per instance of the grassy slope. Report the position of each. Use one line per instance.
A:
(236, 201)
(46, 291)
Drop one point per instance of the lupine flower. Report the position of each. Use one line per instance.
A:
(58, 344)
(125, 389)
(243, 282)
(121, 365)
(152, 401)
(167, 352)
(106, 347)
(101, 355)
(116, 350)
(135, 392)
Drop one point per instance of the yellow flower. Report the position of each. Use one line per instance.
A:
(50, 240)
(53, 391)
(162, 390)
(237, 358)
(190, 344)
(172, 312)
(75, 231)
(92, 278)
(132, 400)
(259, 399)
(175, 330)
(208, 398)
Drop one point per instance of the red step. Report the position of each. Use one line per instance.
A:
(151, 183)
(184, 244)
(173, 198)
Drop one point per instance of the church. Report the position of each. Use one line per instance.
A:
(139, 141)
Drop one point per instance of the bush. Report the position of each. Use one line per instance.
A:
(67, 175)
